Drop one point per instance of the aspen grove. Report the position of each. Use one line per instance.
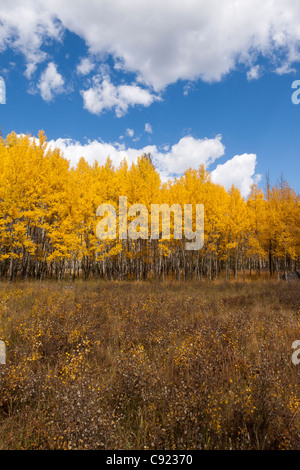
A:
(48, 220)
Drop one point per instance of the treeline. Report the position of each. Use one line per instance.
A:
(48, 220)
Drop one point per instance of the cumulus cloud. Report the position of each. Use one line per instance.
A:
(85, 66)
(51, 82)
(130, 132)
(2, 91)
(104, 95)
(25, 27)
(189, 152)
(97, 150)
(161, 42)
(148, 128)
(253, 73)
(187, 88)
(285, 69)
(239, 171)
(170, 161)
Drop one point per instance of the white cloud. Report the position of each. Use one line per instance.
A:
(98, 151)
(239, 171)
(2, 91)
(85, 66)
(187, 88)
(26, 26)
(104, 95)
(253, 73)
(189, 152)
(170, 161)
(51, 82)
(285, 69)
(130, 132)
(148, 128)
(160, 41)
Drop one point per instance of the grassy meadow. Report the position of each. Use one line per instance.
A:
(149, 365)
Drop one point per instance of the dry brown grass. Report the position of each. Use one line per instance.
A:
(108, 365)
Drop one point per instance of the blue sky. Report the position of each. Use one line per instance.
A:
(177, 80)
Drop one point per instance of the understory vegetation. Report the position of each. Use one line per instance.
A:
(128, 365)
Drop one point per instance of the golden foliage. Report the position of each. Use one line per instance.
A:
(48, 220)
